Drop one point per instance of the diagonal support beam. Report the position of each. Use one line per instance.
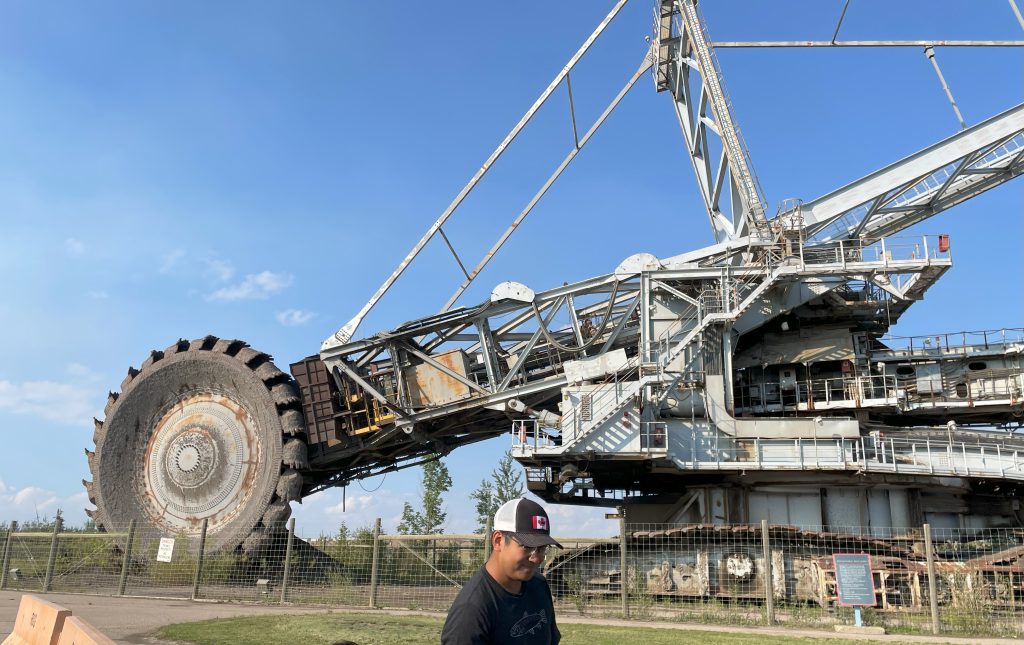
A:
(441, 366)
(1002, 136)
(345, 334)
(369, 389)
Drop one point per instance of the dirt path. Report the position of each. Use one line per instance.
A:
(132, 621)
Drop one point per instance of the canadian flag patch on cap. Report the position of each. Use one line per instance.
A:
(540, 523)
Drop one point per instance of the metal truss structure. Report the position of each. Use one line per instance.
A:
(749, 380)
(631, 384)
(688, 70)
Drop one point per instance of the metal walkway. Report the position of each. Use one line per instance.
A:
(693, 451)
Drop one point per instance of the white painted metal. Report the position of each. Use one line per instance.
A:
(642, 366)
(744, 44)
(685, 48)
(921, 185)
(345, 334)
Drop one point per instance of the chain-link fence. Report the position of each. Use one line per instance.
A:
(964, 581)
(960, 581)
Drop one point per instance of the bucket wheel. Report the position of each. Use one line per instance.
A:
(206, 429)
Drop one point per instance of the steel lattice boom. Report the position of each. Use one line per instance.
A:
(754, 379)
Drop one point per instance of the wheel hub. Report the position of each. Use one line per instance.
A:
(192, 458)
(201, 462)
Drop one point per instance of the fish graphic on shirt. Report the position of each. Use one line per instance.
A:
(528, 624)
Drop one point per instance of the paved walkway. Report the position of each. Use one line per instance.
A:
(132, 621)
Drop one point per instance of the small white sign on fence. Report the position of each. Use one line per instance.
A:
(166, 549)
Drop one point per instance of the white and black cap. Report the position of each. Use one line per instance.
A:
(527, 521)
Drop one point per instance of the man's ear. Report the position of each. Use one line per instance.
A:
(497, 540)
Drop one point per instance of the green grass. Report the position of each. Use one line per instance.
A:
(385, 629)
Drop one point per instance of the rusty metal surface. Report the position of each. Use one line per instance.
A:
(200, 463)
(320, 404)
(198, 432)
(430, 386)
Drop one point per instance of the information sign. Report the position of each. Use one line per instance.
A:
(166, 550)
(855, 585)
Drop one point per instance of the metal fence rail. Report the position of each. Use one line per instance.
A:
(958, 581)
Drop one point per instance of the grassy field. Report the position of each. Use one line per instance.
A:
(384, 629)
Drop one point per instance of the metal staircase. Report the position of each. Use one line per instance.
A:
(611, 400)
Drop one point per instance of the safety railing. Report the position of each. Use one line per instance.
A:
(653, 437)
(817, 394)
(884, 250)
(655, 350)
(968, 387)
(933, 456)
(529, 435)
(961, 343)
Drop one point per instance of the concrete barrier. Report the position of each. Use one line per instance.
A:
(38, 622)
(78, 632)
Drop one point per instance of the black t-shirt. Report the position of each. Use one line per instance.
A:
(484, 612)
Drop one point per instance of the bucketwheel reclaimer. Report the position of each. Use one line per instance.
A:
(208, 429)
(749, 380)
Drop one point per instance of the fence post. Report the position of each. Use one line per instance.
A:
(769, 588)
(488, 530)
(8, 543)
(52, 561)
(199, 559)
(375, 563)
(623, 568)
(287, 559)
(122, 584)
(933, 594)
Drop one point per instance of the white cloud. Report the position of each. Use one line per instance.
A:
(220, 270)
(170, 260)
(322, 513)
(580, 521)
(32, 493)
(359, 502)
(256, 286)
(70, 402)
(75, 248)
(32, 502)
(98, 294)
(294, 317)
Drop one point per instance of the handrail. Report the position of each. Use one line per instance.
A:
(946, 342)
(714, 451)
(897, 455)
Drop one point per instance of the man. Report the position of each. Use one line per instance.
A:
(507, 601)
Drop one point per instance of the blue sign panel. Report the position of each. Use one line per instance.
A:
(854, 582)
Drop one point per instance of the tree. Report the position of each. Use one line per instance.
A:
(508, 480)
(411, 520)
(353, 551)
(431, 519)
(504, 485)
(485, 505)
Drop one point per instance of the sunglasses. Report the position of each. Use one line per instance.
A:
(529, 550)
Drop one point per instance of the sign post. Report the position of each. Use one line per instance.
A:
(855, 586)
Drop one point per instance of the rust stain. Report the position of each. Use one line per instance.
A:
(430, 386)
(178, 418)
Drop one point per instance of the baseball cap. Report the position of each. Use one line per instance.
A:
(527, 520)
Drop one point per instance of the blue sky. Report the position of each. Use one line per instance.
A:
(255, 170)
